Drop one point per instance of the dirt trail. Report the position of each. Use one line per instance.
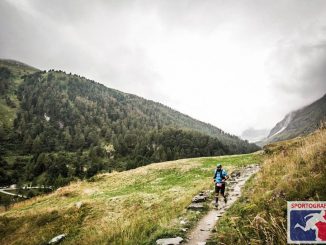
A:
(202, 232)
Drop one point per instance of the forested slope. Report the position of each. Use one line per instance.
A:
(64, 126)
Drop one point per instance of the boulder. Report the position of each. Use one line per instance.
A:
(57, 239)
(235, 174)
(199, 198)
(183, 222)
(78, 205)
(196, 206)
(169, 241)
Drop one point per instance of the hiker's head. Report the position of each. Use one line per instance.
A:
(219, 166)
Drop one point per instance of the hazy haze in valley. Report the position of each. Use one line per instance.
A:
(234, 64)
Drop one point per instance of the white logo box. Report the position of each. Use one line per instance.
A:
(304, 205)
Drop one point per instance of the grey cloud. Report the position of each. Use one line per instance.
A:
(90, 40)
(107, 40)
(301, 67)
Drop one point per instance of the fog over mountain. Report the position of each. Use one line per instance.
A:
(234, 64)
(254, 135)
(300, 122)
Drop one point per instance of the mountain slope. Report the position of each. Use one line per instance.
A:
(299, 122)
(70, 126)
(11, 73)
(130, 207)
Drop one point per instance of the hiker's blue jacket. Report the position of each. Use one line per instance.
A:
(218, 178)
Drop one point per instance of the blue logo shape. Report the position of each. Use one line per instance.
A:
(302, 227)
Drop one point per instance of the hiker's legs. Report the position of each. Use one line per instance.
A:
(223, 193)
(217, 190)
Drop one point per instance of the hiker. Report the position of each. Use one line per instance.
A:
(220, 176)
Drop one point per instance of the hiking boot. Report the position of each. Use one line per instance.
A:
(225, 200)
(216, 205)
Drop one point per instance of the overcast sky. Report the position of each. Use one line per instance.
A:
(235, 64)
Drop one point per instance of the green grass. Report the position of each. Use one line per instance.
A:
(7, 115)
(17, 68)
(235, 160)
(131, 207)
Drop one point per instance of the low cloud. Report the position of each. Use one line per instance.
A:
(298, 66)
(234, 64)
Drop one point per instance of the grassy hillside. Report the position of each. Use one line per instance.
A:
(18, 68)
(293, 170)
(132, 207)
(11, 73)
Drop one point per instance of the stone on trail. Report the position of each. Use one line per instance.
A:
(202, 229)
(235, 173)
(169, 241)
(199, 198)
(57, 239)
(201, 193)
(196, 206)
(183, 222)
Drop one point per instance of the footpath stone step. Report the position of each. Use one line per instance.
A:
(169, 241)
(199, 198)
(196, 206)
(205, 226)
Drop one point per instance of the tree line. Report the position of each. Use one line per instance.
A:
(68, 127)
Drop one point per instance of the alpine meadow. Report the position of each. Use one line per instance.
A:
(158, 122)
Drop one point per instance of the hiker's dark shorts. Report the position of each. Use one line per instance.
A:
(220, 189)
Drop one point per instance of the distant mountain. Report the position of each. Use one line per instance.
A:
(67, 125)
(299, 122)
(254, 135)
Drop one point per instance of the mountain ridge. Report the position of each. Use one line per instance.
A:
(61, 118)
(210, 127)
(299, 122)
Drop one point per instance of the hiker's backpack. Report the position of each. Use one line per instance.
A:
(221, 174)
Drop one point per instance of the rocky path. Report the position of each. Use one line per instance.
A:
(202, 231)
